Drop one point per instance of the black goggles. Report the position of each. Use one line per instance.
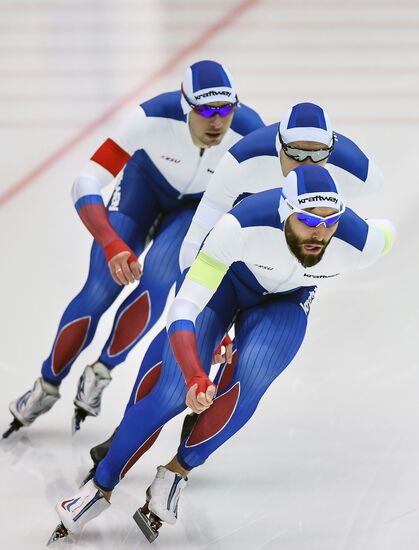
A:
(207, 111)
(302, 154)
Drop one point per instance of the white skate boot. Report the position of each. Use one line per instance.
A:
(164, 494)
(162, 502)
(88, 399)
(32, 404)
(74, 512)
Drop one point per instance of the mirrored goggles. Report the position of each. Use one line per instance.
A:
(312, 220)
(302, 154)
(207, 111)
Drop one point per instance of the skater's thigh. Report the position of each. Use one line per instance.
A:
(268, 337)
(161, 264)
(170, 234)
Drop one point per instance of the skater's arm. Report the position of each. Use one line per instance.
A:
(223, 189)
(358, 175)
(380, 240)
(200, 389)
(206, 216)
(104, 165)
(200, 284)
(370, 238)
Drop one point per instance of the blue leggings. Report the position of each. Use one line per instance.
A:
(269, 333)
(143, 213)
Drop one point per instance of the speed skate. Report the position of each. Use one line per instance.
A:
(148, 522)
(162, 501)
(75, 511)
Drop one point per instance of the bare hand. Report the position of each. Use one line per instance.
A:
(225, 357)
(122, 272)
(201, 402)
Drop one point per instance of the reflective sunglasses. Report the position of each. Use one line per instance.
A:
(207, 111)
(312, 220)
(302, 154)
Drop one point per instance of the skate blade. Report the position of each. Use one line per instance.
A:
(144, 524)
(89, 476)
(78, 418)
(14, 427)
(59, 532)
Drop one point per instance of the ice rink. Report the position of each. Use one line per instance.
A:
(330, 461)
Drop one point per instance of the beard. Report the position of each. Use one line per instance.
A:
(296, 247)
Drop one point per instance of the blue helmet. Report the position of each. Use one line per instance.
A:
(306, 122)
(207, 81)
(309, 186)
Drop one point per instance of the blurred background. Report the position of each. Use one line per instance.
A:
(330, 460)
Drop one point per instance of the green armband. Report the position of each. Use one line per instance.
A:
(388, 239)
(207, 271)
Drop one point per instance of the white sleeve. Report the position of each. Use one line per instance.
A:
(132, 132)
(206, 216)
(225, 243)
(223, 246)
(130, 136)
(222, 191)
(380, 240)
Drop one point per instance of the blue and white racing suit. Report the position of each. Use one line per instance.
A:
(244, 272)
(164, 177)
